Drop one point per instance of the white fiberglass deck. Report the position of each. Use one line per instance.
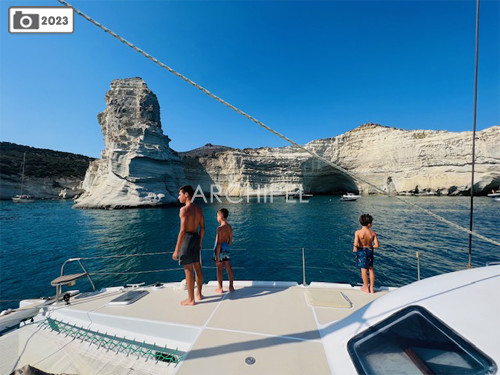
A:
(277, 325)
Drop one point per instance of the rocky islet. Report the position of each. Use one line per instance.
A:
(137, 167)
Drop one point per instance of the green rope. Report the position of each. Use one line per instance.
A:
(114, 343)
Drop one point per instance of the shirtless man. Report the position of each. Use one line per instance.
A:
(364, 241)
(189, 241)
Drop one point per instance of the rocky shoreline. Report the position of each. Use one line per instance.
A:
(138, 168)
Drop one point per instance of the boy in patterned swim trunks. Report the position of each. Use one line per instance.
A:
(223, 242)
(365, 240)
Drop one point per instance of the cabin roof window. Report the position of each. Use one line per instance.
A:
(413, 341)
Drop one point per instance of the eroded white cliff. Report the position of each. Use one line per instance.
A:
(137, 167)
(394, 160)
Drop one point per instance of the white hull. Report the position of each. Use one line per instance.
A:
(349, 197)
(28, 309)
(22, 200)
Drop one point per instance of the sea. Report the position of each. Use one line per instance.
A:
(271, 239)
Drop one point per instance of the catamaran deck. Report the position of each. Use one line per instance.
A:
(261, 328)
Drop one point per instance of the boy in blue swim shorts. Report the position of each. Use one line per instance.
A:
(223, 242)
(365, 240)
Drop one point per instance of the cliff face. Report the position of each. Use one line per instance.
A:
(416, 160)
(137, 166)
(265, 170)
(395, 160)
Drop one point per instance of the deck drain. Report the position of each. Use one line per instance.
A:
(249, 360)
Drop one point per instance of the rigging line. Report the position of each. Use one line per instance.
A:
(124, 255)
(261, 124)
(141, 255)
(134, 272)
(476, 68)
(220, 100)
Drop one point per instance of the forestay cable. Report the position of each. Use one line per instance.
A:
(261, 124)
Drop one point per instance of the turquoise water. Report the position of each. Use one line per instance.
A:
(36, 238)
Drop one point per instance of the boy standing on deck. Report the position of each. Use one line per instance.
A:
(223, 241)
(365, 240)
(188, 247)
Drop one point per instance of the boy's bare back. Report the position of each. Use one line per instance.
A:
(365, 237)
(225, 234)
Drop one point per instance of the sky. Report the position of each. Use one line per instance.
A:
(309, 69)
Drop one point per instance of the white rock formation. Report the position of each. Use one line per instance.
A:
(137, 167)
(416, 160)
(395, 160)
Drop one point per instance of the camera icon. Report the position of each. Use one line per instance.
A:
(26, 21)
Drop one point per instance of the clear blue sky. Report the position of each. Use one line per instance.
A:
(308, 69)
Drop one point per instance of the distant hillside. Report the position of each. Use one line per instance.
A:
(207, 150)
(41, 162)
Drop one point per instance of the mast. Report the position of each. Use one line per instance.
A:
(22, 172)
(474, 135)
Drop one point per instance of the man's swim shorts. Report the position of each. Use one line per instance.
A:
(364, 257)
(190, 249)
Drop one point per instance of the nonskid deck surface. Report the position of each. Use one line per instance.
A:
(275, 326)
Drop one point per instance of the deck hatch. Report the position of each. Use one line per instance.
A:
(415, 341)
(129, 297)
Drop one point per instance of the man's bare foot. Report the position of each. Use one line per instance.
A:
(199, 296)
(231, 289)
(371, 290)
(188, 302)
(219, 291)
(364, 289)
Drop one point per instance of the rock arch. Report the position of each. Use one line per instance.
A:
(321, 178)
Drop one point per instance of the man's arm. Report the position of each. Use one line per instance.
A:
(182, 232)
(356, 242)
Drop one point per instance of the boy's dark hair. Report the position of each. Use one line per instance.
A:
(365, 219)
(187, 189)
(224, 212)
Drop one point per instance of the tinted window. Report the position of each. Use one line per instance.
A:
(413, 341)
